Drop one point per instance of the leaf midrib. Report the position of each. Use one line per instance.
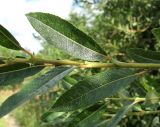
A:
(21, 69)
(70, 102)
(52, 79)
(11, 40)
(68, 38)
(33, 93)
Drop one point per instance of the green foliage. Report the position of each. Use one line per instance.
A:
(115, 120)
(16, 73)
(93, 89)
(89, 117)
(79, 96)
(119, 24)
(156, 32)
(65, 36)
(144, 56)
(37, 86)
(7, 40)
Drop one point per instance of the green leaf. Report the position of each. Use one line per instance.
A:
(88, 117)
(7, 40)
(66, 37)
(53, 117)
(156, 33)
(94, 88)
(117, 118)
(65, 85)
(37, 86)
(143, 56)
(57, 119)
(152, 97)
(15, 74)
(50, 117)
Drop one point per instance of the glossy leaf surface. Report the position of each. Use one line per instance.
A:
(7, 40)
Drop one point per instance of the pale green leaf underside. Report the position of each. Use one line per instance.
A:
(37, 86)
(7, 40)
(117, 118)
(50, 117)
(66, 37)
(144, 56)
(94, 88)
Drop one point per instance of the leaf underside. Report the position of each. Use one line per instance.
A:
(66, 37)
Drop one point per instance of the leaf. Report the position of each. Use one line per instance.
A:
(88, 117)
(7, 40)
(152, 97)
(143, 56)
(37, 86)
(66, 37)
(15, 74)
(49, 117)
(94, 88)
(117, 118)
(66, 85)
(57, 119)
(156, 33)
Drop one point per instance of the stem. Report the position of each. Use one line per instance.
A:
(27, 52)
(136, 99)
(83, 64)
(127, 98)
(141, 113)
(3, 65)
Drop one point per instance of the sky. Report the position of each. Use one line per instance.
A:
(12, 17)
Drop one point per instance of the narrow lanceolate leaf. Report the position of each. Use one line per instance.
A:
(15, 74)
(144, 56)
(66, 37)
(7, 40)
(50, 117)
(120, 114)
(37, 86)
(89, 117)
(156, 32)
(94, 88)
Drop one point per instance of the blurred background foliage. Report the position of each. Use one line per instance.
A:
(116, 25)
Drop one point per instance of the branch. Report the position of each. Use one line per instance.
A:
(82, 64)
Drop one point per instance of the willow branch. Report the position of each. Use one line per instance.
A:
(82, 64)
